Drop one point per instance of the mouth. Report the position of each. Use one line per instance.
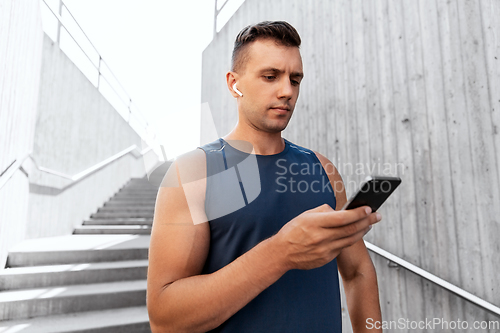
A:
(281, 109)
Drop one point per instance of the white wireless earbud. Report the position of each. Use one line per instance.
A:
(236, 90)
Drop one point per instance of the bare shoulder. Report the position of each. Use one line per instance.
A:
(335, 180)
(185, 167)
(183, 187)
(328, 165)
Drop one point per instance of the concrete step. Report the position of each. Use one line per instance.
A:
(135, 195)
(74, 257)
(127, 208)
(28, 303)
(78, 249)
(115, 202)
(122, 214)
(125, 320)
(138, 190)
(132, 221)
(113, 229)
(144, 185)
(139, 182)
(60, 275)
(139, 199)
(131, 201)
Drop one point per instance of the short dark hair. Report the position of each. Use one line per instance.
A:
(280, 31)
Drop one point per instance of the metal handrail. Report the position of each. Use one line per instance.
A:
(217, 11)
(434, 279)
(59, 18)
(78, 24)
(95, 49)
(11, 169)
(128, 103)
(7, 174)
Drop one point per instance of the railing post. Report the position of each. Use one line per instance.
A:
(99, 72)
(129, 110)
(59, 23)
(163, 153)
(216, 12)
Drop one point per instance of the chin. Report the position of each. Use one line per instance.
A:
(274, 128)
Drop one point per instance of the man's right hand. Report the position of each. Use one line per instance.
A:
(317, 236)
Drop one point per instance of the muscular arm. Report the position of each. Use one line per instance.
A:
(179, 299)
(355, 266)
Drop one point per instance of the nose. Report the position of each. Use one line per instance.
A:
(285, 89)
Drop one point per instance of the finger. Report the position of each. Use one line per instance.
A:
(332, 219)
(350, 229)
(350, 240)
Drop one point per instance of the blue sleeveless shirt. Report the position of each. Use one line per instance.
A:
(248, 199)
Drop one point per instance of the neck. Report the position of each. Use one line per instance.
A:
(263, 143)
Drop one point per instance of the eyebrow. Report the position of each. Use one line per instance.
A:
(275, 70)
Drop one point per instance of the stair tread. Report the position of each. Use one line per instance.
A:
(136, 194)
(133, 200)
(123, 215)
(134, 189)
(126, 208)
(114, 202)
(78, 321)
(140, 213)
(112, 232)
(72, 290)
(82, 242)
(122, 219)
(120, 226)
(73, 267)
(130, 221)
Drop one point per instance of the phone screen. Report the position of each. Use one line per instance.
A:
(373, 192)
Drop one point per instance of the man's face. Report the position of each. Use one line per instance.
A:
(269, 81)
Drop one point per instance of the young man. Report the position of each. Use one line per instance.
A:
(248, 235)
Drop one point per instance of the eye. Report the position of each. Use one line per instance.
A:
(295, 83)
(270, 77)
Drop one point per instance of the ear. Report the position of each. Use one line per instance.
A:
(231, 79)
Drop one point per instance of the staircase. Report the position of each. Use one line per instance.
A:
(91, 281)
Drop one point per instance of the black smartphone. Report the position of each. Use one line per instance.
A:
(373, 192)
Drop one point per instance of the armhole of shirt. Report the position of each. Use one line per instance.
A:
(325, 175)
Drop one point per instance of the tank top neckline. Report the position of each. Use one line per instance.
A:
(283, 152)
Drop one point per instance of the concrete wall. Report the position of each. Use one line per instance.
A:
(21, 39)
(412, 86)
(76, 128)
(50, 108)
